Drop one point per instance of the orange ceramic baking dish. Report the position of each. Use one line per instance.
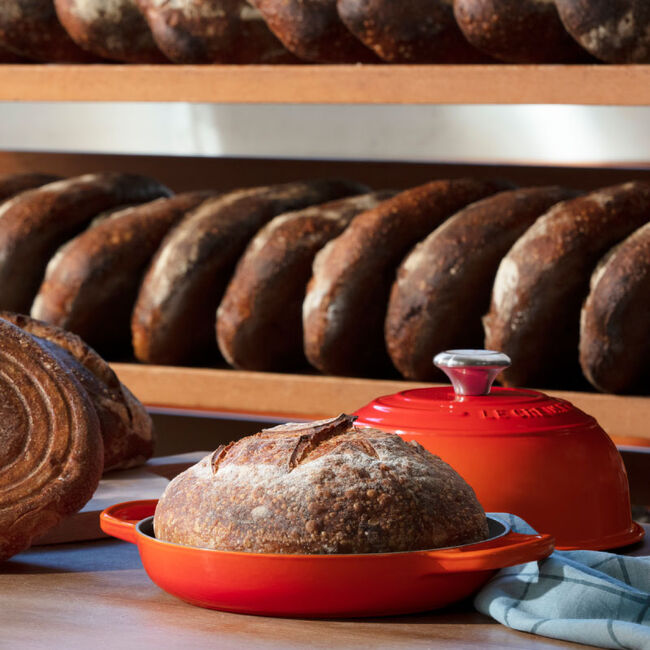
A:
(320, 586)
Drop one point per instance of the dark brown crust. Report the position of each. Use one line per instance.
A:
(259, 322)
(320, 488)
(313, 31)
(518, 31)
(615, 31)
(345, 305)
(111, 29)
(213, 31)
(409, 31)
(9, 56)
(50, 445)
(34, 224)
(443, 286)
(92, 283)
(540, 285)
(31, 28)
(126, 428)
(12, 184)
(615, 319)
(175, 313)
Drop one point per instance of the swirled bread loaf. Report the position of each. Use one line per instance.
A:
(321, 487)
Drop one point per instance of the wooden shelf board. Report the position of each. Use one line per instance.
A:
(326, 84)
(289, 396)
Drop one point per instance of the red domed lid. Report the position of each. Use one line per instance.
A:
(471, 406)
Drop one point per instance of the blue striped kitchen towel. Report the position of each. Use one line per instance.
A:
(600, 599)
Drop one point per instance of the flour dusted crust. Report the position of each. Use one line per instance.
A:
(213, 31)
(443, 286)
(51, 453)
(111, 29)
(259, 322)
(31, 29)
(518, 31)
(320, 488)
(540, 285)
(175, 314)
(92, 283)
(615, 319)
(346, 299)
(126, 428)
(35, 223)
(313, 31)
(409, 31)
(615, 31)
(12, 184)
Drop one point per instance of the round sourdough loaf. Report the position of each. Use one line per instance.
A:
(51, 451)
(615, 320)
(126, 428)
(320, 488)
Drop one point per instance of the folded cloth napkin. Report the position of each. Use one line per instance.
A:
(599, 599)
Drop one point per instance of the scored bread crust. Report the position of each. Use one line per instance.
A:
(443, 286)
(346, 300)
(541, 283)
(126, 428)
(12, 184)
(615, 319)
(51, 453)
(320, 488)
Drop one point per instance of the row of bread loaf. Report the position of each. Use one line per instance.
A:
(326, 271)
(325, 31)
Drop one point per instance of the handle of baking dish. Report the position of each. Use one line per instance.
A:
(509, 550)
(120, 520)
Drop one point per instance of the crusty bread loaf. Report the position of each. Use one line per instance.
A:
(111, 29)
(175, 314)
(320, 488)
(259, 321)
(37, 222)
(347, 296)
(12, 184)
(443, 286)
(518, 31)
(9, 56)
(541, 283)
(615, 319)
(92, 283)
(615, 31)
(31, 28)
(409, 31)
(126, 428)
(51, 453)
(213, 31)
(313, 31)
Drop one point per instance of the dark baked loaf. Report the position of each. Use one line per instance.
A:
(92, 283)
(50, 446)
(320, 488)
(175, 313)
(409, 31)
(259, 321)
(213, 31)
(37, 222)
(12, 184)
(443, 286)
(9, 56)
(615, 31)
(541, 283)
(347, 296)
(518, 31)
(111, 29)
(31, 28)
(313, 31)
(615, 319)
(126, 428)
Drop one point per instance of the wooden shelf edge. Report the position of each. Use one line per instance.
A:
(625, 418)
(327, 84)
